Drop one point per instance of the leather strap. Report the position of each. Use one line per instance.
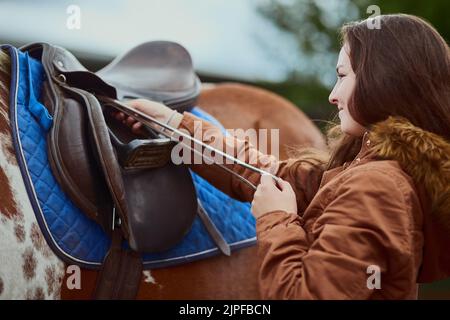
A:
(121, 272)
(212, 230)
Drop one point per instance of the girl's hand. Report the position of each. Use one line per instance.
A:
(154, 109)
(268, 197)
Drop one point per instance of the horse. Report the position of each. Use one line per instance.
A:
(238, 105)
(30, 269)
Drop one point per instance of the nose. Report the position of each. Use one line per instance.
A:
(333, 98)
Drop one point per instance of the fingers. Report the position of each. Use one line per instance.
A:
(260, 190)
(130, 121)
(283, 185)
(135, 126)
(139, 104)
(152, 108)
(138, 128)
(144, 105)
(119, 116)
(267, 180)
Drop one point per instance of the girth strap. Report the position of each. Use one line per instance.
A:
(121, 272)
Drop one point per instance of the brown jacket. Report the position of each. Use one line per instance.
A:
(389, 208)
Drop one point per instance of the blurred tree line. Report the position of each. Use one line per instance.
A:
(314, 26)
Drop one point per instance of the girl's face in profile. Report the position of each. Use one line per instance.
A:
(342, 92)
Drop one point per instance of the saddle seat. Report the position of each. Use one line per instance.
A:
(172, 81)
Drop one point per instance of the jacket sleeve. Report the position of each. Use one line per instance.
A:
(304, 176)
(358, 229)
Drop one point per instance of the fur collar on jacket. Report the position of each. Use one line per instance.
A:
(425, 156)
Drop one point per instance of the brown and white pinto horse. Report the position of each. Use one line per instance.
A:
(30, 270)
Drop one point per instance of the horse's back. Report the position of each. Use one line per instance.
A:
(244, 106)
(219, 278)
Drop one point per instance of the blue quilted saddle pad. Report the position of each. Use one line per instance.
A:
(72, 235)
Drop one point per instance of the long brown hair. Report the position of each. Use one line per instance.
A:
(402, 69)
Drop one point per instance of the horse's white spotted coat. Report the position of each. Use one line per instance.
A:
(148, 277)
(29, 269)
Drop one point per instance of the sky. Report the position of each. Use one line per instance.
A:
(226, 38)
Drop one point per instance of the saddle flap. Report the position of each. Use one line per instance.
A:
(105, 154)
(165, 204)
(71, 159)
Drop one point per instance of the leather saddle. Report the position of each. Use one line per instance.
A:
(121, 181)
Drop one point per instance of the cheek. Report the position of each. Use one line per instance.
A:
(347, 89)
(342, 94)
